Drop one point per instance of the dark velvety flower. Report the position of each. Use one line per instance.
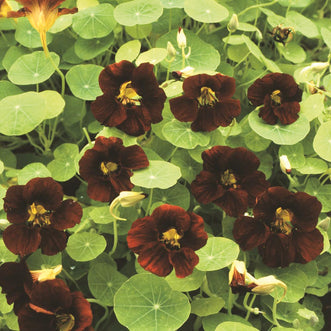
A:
(229, 179)
(167, 239)
(107, 167)
(283, 228)
(207, 102)
(280, 96)
(132, 98)
(53, 307)
(39, 217)
(42, 14)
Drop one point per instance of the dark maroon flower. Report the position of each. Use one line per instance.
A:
(229, 179)
(167, 239)
(207, 102)
(283, 228)
(53, 307)
(280, 96)
(132, 98)
(39, 217)
(107, 167)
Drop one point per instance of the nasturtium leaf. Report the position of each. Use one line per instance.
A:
(255, 142)
(321, 192)
(153, 56)
(208, 12)
(114, 132)
(190, 283)
(128, 51)
(158, 174)
(138, 12)
(295, 279)
(293, 53)
(4, 306)
(280, 134)
(32, 68)
(322, 141)
(207, 306)
(7, 89)
(313, 166)
(217, 254)
(139, 31)
(104, 281)
(203, 55)
(181, 135)
(85, 246)
(74, 110)
(5, 254)
(21, 113)
(101, 215)
(61, 23)
(11, 321)
(302, 24)
(233, 40)
(54, 103)
(326, 34)
(13, 53)
(172, 3)
(28, 36)
(313, 106)
(173, 89)
(88, 49)
(83, 81)
(32, 170)
(294, 153)
(94, 22)
(71, 57)
(211, 322)
(294, 4)
(2, 167)
(310, 269)
(38, 261)
(8, 158)
(237, 52)
(234, 326)
(146, 302)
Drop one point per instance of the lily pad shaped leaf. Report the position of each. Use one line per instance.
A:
(159, 174)
(54, 103)
(234, 326)
(153, 56)
(32, 68)
(138, 12)
(128, 51)
(30, 171)
(172, 3)
(21, 113)
(322, 141)
(280, 134)
(147, 302)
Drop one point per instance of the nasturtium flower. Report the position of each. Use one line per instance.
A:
(39, 217)
(207, 102)
(132, 98)
(280, 96)
(283, 228)
(107, 167)
(4, 8)
(53, 307)
(167, 239)
(229, 179)
(42, 14)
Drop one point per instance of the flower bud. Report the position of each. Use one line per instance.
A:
(46, 274)
(285, 165)
(233, 23)
(266, 285)
(171, 49)
(319, 66)
(181, 38)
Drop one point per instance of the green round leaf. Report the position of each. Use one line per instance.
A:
(293, 52)
(85, 246)
(295, 154)
(321, 192)
(12, 55)
(18, 113)
(302, 24)
(217, 254)
(153, 56)
(54, 103)
(61, 23)
(104, 281)
(208, 12)
(88, 49)
(11, 321)
(159, 174)
(203, 55)
(189, 283)
(101, 215)
(255, 142)
(181, 135)
(83, 81)
(5, 254)
(32, 170)
(128, 51)
(94, 22)
(146, 302)
(2, 167)
(326, 34)
(207, 306)
(37, 260)
(322, 141)
(7, 89)
(114, 132)
(280, 134)
(4, 307)
(138, 12)
(139, 31)
(313, 166)
(172, 3)
(313, 106)
(32, 68)
(211, 322)
(234, 326)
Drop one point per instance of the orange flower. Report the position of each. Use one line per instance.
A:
(42, 15)
(4, 8)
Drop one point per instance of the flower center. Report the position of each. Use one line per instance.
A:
(128, 95)
(276, 97)
(171, 238)
(39, 215)
(207, 97)
(108, 167)
(283, 221)
(65, 322)
(228, 179)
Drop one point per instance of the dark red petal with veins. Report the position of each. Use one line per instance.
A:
(134, 157)
(254, 184)
(81, 310)
(227, 86)
(259, 89)
(234, 202)
(192, 85)
(15, 206)
(144, 81)
(183, 261)
(216, 159)
(28, 320)
(52, 241)
(267, 114)
(184, 109)
(243, 162)
(287, 112)
(101, 190)
(22, 240)
(67, 215)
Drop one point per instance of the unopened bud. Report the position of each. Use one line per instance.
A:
(171, 50)
(319, 66)
(46, 274)
(181, 38)
(285, 164)
(266, 285)
(233, 23)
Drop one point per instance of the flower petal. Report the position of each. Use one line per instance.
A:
(184, 109)
(81, 309)
(216, 159)
(52, 241)
(227, 86)
(287, 112)
(234, 202)
(134, 157)
(184, 261)
(15, 206)
(243, 162)
(67, 215)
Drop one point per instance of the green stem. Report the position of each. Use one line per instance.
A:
(67, 275)
(34, 144)
(87, 136)
(148, 42)
(172, 153)
(149, 202)
(325, 180)
(250, 305)
(37, 87)
(226, 41)
(274, 312)
(197, 324)
(230, 302)
(104, 317)
(183, 57)
(201, 28)
(257, 6)
(63, 81)
(255, 311)
(170, 19)
(115, 237)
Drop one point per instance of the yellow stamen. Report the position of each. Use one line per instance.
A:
(283, 220)
(128, 95)
(108, 168)
(207, 97)
(65, 322)
(171, 237)
(229, 179)
(276, 97)
(39, 215)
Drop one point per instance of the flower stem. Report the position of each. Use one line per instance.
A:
(274, 312)
(249, 309)
(68, 276)
(183, 57)
(250, 305)
(201, 28)
(257, 6)
(170, 19)
(149, 202)
(87, 136)
(197, 324)
(230, 302)
(106, 314)
(63, 81)
(115, 237)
